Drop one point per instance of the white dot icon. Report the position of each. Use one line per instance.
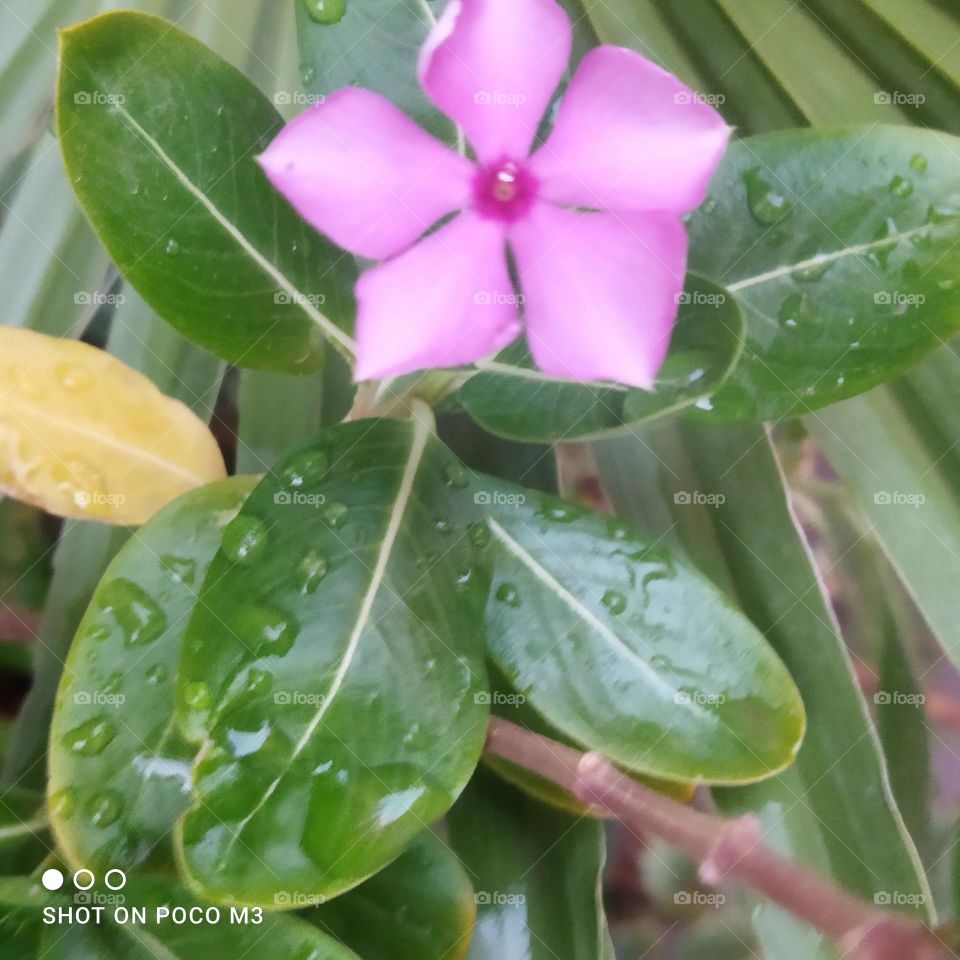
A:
(52, 879)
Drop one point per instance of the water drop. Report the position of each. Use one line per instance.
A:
(815, 270)
(479, 534)
(765, 203)
(900, 187)
(91, 738)
(156, 674)
(104, 808)
(559, 513)
(73, 377)
(463, 578)
(335, 515)
(795, 310)
(614, 601)
(304, 467)
(63, 803)
(507, 593)
(244, 538)
(197, 696)
(172, 248)
(307, 75)
(442, 526)
(136, 613)
(325, 11)
(456, 476)
(271, 631)
(181, 569)
(919, 162)
(311, 570)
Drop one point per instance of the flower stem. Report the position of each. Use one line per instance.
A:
(724, 849)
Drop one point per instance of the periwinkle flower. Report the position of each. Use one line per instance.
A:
(592, 216)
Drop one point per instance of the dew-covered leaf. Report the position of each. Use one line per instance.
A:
(83, 435)
(119, 770)
(332, 668)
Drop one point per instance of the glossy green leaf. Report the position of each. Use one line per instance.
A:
(536, 872)
(332, 667)
(629, 651)
(841, 248)
(421, 907)
(22, 817)
(833, 810)
(119, 771)
(510, 705)
(512, 399)
(895, 451)
(183, 208)
(251, 934)
(374, 45)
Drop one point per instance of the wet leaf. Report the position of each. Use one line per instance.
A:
(83, 435)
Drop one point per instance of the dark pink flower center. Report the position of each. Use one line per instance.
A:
(504, 190)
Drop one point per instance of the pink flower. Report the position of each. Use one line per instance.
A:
(592, 217)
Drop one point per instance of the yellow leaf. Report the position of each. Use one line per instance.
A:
(83, 435)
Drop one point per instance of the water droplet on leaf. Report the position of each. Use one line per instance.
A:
(765, 203)
(91, 738)
(325, 11)
(244, 538)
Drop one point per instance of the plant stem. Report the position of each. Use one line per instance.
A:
(724, 849)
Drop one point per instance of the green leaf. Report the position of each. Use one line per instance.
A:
(842, 250)
(512, 399)
(22, 817)
(375, 46)
(183, 208)
(895, 451)
(628, 651)
(331, 668)
(536, 871)
(510, 705)
(119, 771)
(253, 935)
(833, 810)
(421, 907)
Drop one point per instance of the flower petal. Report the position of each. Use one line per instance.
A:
(629, 136)
(492, 67)
(600, 291)
(446, 301)
(363, 173)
